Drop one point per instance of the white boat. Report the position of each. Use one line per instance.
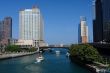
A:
(57, 52)
(67, 54)
(39, 58)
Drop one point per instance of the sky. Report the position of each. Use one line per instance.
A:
(61, 17)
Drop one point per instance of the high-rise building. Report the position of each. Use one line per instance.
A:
(83, 31)
(1, 30)
(101, 21)
(31, 24)
(5, 30)
(8, 27)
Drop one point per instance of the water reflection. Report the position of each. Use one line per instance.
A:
(52, 64)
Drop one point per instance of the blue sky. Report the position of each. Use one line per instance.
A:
(61, 17)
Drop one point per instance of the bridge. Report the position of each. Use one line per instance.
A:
(55, 46)
(103, 48)
(45, 47)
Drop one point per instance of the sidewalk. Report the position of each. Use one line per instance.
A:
(13, 55)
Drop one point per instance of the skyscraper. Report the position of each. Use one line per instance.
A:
(31, 24)
(5, 30)
(8, 27)
(101, 21)
(83, 30)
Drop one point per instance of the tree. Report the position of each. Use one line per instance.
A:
(32, 49)
(13, 48)
(85, 53)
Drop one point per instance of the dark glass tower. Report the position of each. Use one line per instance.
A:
(101, 22)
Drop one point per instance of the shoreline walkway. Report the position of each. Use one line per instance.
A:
(14, 55)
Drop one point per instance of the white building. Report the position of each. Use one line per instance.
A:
(30, 26)
(83, 31)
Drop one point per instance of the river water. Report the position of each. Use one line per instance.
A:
(52, 64)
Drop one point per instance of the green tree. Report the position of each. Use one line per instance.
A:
(13, 48)
(32, 49)
(85, 53)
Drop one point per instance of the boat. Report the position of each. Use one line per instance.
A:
(39, 58)
(67, 54)
(57, 52)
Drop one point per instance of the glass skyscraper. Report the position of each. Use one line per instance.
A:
(101, 22)
(30, 24)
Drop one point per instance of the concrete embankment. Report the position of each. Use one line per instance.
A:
(14, 55)
(95, 67)
(87, 66)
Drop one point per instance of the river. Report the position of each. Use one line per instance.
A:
(52, 64)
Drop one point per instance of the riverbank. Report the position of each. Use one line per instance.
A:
(92, 70)
(96, 67)
(87, 66)
(15, 54)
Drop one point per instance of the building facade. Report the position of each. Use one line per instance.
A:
(101, 21)
(5, 31)
(83, 31)
(31, 25)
